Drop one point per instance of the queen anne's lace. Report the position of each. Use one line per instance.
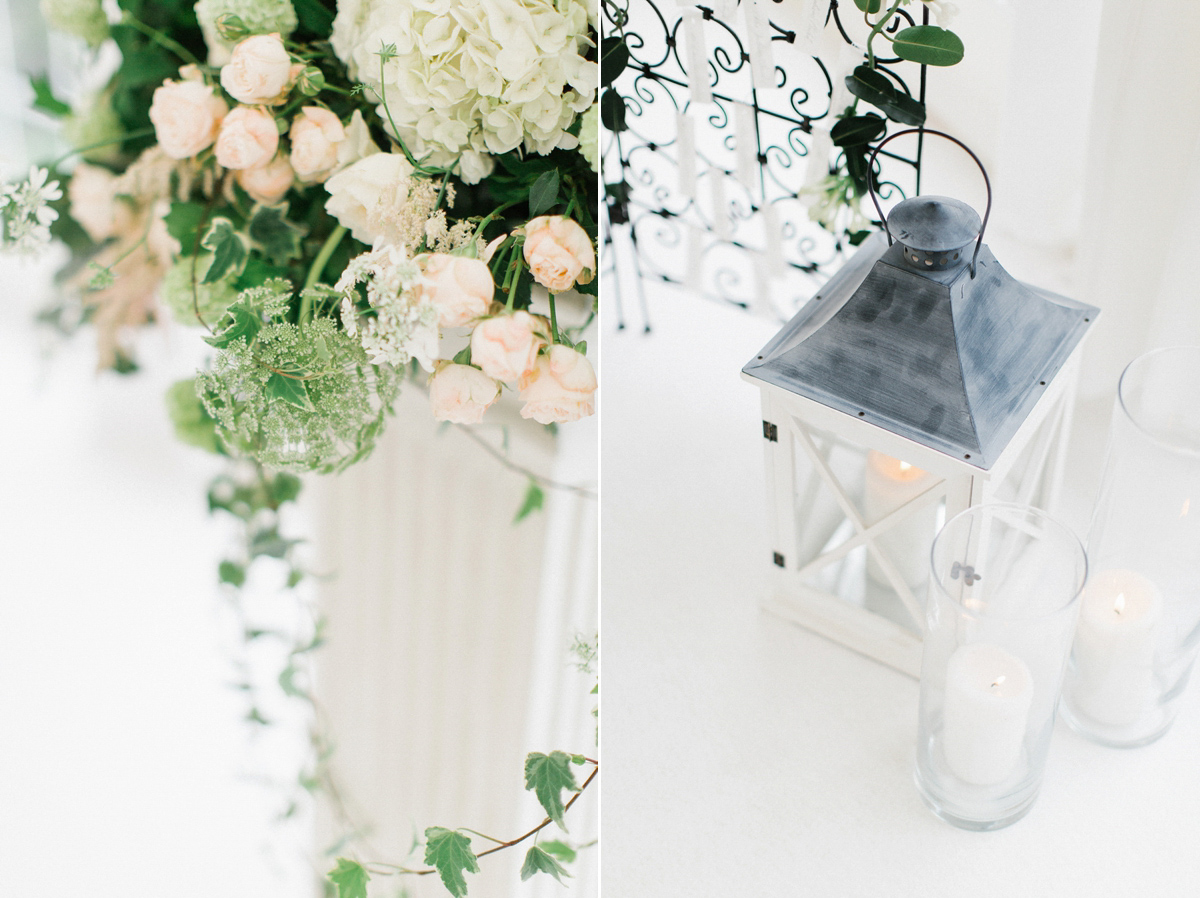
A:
(472, 77)
(404, 326)
(25, 215)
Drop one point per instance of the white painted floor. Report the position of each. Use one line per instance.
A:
(125, 767)
(747, 756)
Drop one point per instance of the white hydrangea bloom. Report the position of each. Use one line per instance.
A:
(259, 16)
(473, 77)
(82, 18)
(589, 137)
(405, 325)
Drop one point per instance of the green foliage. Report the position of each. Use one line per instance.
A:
(876, 88)
(548, 775)
(614, 56)
(187, 294)
(232, 573)
(351, 879)
(228, 249)
(539, 861)
(44, 99)
(193, 425)
(533, 501)
(291, 389)
(560, 850)
(183, 221)
(928, 45)
(450, 853)
(544, 193)
(612, 111)
(857, 130)
(871, 6)
(278, 238)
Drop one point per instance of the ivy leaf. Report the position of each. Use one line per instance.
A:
(350, 878)
(229, 253)
(182, 221)
(928, 45)
(245, 324)
(874, 87)
(538, 861)
(614, 56)
(289, 389)
(560, 850)
(612, 111)
(534, 499)
(285, 488)
(871, 6)
(547, 776)
(544, 193)
(278, 237)
(450, 852)
(857, 130)
(44, 99)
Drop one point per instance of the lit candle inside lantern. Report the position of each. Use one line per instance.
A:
(1114, 647)
(988, 695)
(889, 484)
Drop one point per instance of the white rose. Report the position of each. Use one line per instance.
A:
(186, 117)
(358, 143)
(560, 388)
(506, 347)
(315, 135)
(248, 138)
(461, 394)
(260, 71)
(359, 193)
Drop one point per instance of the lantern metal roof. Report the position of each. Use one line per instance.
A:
(952, 361)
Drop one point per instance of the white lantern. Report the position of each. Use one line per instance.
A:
(923, 379)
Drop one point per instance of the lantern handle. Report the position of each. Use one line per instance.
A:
(986, 182)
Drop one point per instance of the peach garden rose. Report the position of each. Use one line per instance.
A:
(248, 138)
(260, 71)
(461, 394)
(316, 136)
(186, 116)
(460, 288)
(268, 184)
(506, 346)
(559, 253)
(560, 388)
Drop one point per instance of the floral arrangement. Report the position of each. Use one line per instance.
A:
(336, 197)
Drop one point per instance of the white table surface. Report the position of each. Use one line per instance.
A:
(745, 755)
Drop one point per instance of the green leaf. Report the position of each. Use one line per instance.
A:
(229, 252)
(463, 356)
(614, 56)
(875, 88)
(232, 573)
(857, 237)
(295, 575)
(244, 324)
(544, 193)
(538, 861)
(285, 488)
(182, 223)
(289, 389)
(548, 775)
(44, 99)
(871, 6)
(560, 850)
(350, 878)
(534, 499)
(612, 111)
(928, 45)
(857, 130)
(278, 237)
(287, 682)
(450, 852)
(315, 18)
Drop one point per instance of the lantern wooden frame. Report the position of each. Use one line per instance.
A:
(1028, 471)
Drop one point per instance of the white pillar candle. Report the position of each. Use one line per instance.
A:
(1114, 647)
(988, 694)
(889, 484)
(686, 153)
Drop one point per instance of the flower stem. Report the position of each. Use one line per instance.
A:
(322, 259)
(553, 322)
(132, 135)
(159, 38)
(879, 26)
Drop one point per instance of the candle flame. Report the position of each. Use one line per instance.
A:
(1119, 604)
(999, 681)
(904, 466)
(1186, 505)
